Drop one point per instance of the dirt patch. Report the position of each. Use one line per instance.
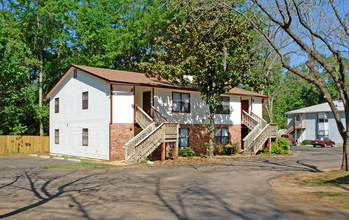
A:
(198, 159)
(301, 186)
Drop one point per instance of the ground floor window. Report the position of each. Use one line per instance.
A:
(222, 136)
(183, 137)
(56, 136)
(85, 137)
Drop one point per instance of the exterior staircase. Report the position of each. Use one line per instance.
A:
(260, 132)
(156, 131)
(289, 130)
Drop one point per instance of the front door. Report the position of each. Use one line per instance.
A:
(244, 105)
(244, 133)
(244, 129)
(146, 102)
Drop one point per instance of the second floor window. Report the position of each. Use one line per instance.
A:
(56, 105)
(223, 107)
(85, 100)
(181, 102)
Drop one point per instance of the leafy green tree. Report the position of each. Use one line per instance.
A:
(209, 43)
(44, 29)
(16, 92)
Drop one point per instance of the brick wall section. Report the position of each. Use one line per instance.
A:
(119, 135)
(198, 135)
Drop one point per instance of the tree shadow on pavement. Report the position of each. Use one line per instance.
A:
(45, 195)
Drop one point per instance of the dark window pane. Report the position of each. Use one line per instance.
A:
(223, 107)
(56, 105)
(85, 100)
(56, 136)
(183, 137)
(85, 137)
(181, 102)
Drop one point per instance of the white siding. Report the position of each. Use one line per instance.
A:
(71, 118)
(199, 111)
(123, 104)
(333, 132)
(139, 94)
(257, 107)
(310, 130)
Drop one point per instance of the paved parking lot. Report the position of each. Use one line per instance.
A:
(27, 162)
(230, 190)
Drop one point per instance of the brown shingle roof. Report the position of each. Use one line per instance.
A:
(127, 77)
(121, 76)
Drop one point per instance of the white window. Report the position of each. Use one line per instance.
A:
(183, 137)
(222, 136)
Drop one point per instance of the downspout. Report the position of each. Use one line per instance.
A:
(111, 118)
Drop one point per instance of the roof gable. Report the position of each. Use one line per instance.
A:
(323, 107)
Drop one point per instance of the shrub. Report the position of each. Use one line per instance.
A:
(186, 152)
(218, 149)
(282, 147)
(284, 144)
(229, 150)
(306, 142)
(207, 146)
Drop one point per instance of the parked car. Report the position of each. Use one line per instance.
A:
(291, 140)
(323, 142)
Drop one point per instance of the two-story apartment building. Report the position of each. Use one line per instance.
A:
(112, 114)
(315, 121)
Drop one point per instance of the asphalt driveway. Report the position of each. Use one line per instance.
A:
(230, 190)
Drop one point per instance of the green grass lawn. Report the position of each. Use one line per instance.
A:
(335, 178)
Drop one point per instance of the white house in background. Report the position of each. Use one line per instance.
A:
(315, 121)
(112, 114)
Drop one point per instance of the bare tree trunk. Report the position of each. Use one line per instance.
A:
(212, 135)
(40, 96)
(345, 165)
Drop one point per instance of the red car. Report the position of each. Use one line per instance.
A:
(323, 142)
(291, 140)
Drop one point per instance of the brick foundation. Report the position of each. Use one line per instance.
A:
(198, 135)
(119, 135)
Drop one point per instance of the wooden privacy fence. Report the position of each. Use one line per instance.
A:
(24, 144)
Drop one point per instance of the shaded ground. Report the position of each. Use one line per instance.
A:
(228, 190)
